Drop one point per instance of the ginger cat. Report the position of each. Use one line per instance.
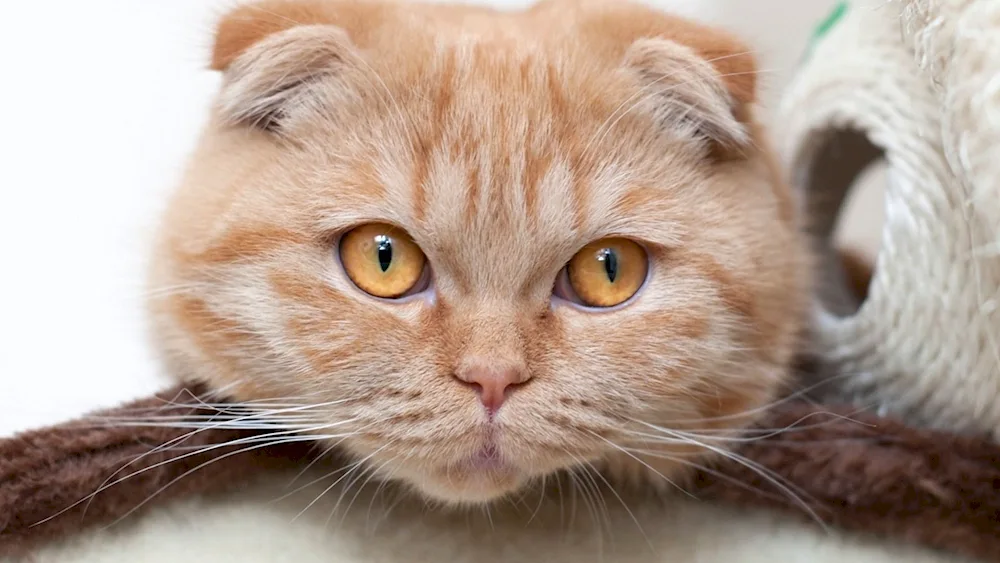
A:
(474, 248)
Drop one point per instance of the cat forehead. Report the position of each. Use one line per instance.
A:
(504, 157)
(493, 139)
(521, 208)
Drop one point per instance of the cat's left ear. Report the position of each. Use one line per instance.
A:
(693, 76)
(687, 93)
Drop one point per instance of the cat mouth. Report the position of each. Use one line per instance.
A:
(487, 459)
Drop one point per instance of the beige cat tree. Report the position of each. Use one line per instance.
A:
(916, 83)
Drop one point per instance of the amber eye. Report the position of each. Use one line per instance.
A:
(607, 272)
(382, 260)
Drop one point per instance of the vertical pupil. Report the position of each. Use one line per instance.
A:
(383, 245)
(610, 260)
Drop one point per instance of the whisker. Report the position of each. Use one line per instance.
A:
(234, 410)
(708, 470)
(593, 497)
(351, 469)
(187, 436)
(646, 465)
(196, 417)
(628, 510)
(309, 484)
(750, 435)
(382, 485)
(196, 468)
(764, 472)
(489, 515)
(541, 500)
(268, 425)
(248, 440)
(796, 395)
(369, 473)
(326, 451)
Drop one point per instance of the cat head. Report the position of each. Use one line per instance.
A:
(480, 247)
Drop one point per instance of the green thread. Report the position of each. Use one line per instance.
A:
(830, 21)
(824, 27)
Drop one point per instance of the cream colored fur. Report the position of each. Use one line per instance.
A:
(249, 528)
(502, 144)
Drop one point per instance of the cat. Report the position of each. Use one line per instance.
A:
(474, 248)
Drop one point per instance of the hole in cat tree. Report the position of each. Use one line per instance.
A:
(843, 176)
(859, 227)
(858, 234)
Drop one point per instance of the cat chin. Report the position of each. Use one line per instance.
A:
(471, 488)
(476, 480)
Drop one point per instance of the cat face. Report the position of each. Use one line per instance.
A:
(482, 247)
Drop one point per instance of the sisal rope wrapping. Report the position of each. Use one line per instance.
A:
(917, 83)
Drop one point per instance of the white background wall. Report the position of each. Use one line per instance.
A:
(101, 100)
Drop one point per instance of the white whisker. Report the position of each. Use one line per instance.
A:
(372, 472)
(196, 468)
(646, 465)
(796, 395)
(624, 505)
(350, 469)
(764, 472)
(266, 438)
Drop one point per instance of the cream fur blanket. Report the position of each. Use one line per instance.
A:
(252, 528)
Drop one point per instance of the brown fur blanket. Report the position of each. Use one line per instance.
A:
(859, 472)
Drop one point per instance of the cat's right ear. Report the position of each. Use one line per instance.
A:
(272, 55)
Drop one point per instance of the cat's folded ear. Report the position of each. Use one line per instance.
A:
(686, 94)
(273, 53)
(692, 75)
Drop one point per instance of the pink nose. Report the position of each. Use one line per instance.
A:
(492, 383)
